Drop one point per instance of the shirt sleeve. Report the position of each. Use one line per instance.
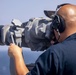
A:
(46, 64)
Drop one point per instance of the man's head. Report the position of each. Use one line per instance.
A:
(65, 21)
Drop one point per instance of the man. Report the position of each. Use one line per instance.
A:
(58, 59)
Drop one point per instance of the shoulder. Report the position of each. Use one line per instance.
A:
(55, 51)
(58, 46)
(58, 49)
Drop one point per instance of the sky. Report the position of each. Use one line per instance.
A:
(26, 9)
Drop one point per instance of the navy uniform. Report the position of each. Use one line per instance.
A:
(59, 59)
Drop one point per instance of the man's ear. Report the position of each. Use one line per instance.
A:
(49, 13)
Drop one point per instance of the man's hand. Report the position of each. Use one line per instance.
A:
(14, 50)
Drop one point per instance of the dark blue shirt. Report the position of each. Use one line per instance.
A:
(59, 59)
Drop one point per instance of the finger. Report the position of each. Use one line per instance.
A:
(11, 44)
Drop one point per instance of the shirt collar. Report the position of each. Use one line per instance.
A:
(73, 36)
